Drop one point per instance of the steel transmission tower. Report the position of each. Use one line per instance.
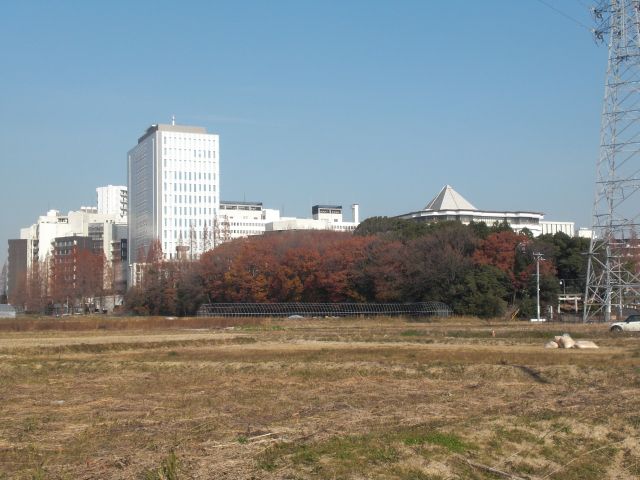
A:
(613, 279)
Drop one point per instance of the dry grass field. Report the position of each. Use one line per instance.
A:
(154, 398)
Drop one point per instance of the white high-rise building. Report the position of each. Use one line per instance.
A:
(174, 179)
(113, 200)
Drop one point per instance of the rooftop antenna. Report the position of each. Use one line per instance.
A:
(173, 120)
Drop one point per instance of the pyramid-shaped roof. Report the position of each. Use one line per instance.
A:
(449, 199)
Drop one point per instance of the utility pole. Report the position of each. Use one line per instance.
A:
(613, 280)
(538, 256)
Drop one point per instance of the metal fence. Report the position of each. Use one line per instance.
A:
(423, 309)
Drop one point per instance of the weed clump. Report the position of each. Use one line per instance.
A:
(168, 470)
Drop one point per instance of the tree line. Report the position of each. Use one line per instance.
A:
(476, 269)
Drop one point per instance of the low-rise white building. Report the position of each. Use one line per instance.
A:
(449, 205)
(550, 227)
(324, 217)
(584, 232)
(243, 219)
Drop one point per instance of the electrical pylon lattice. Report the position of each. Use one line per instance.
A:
(613, 280)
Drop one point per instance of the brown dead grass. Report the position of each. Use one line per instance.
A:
(102, 322)
(355, 398)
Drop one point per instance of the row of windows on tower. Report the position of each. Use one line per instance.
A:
(188, 199)
(188, 176)
(190, 210)
(247, 232)
(182, 141)
(190, 232)
(179, 154)
(182, 234)
(246, 224)
(189, 187)
(187, 222)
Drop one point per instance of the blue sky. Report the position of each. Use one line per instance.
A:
(376, 102)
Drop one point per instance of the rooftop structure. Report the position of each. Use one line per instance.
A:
(449, 199)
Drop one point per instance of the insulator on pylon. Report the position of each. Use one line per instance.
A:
(596, 13)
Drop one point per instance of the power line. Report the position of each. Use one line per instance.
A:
(566, 15)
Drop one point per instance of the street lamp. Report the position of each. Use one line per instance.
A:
(564, 287)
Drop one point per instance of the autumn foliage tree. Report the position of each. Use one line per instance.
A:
(501, 250)
(37, 287)
(77, 275)
(285, 267)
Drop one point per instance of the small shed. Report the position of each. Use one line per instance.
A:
(7, 311)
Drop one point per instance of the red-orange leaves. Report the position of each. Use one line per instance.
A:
(285, 267)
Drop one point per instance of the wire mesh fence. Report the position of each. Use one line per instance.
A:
(422, 309)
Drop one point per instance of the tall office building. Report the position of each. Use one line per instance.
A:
(174, 178)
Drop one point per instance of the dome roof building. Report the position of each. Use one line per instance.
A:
(449, 205)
